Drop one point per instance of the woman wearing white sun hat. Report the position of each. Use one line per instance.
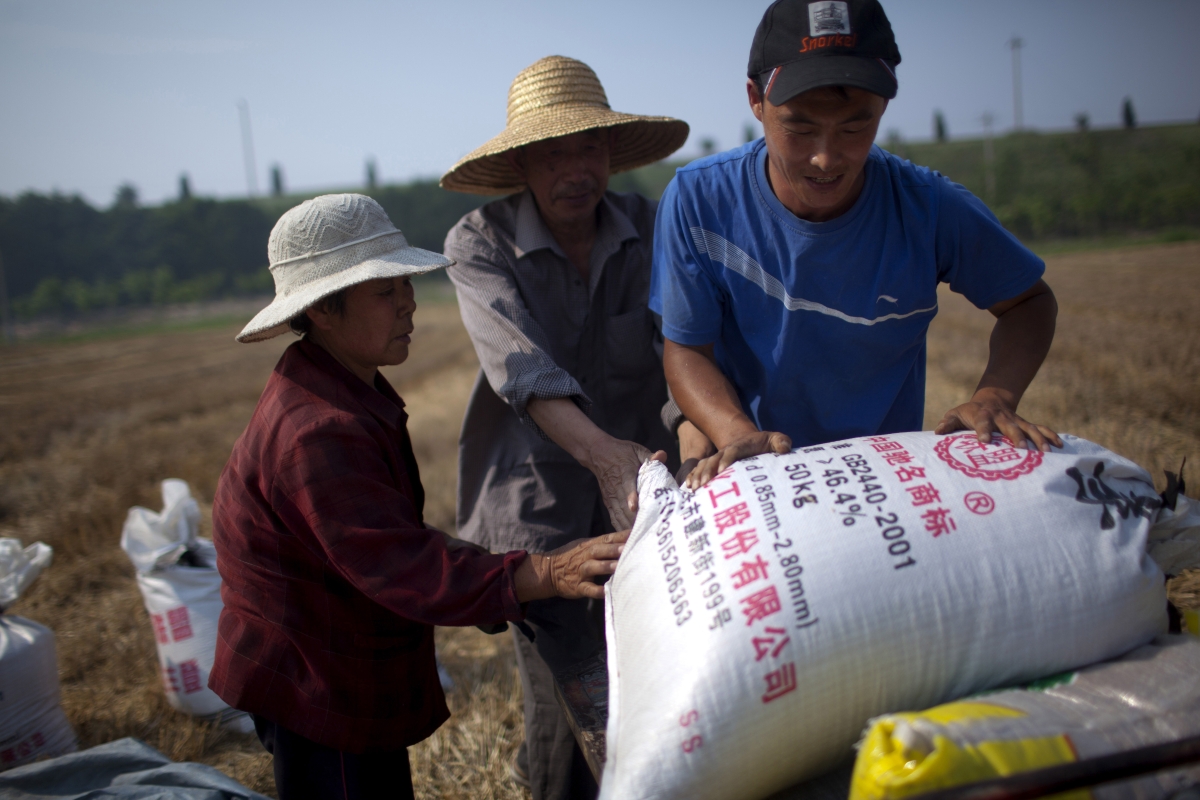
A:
(332, 581)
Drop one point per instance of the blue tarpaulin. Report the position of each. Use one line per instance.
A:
(127, 768)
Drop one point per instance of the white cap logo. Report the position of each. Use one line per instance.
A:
(828, 17)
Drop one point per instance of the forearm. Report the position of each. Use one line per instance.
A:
(1020, 340)
(568, 427)
(532, 579)
(704, 394)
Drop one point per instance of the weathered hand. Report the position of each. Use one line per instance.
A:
(693, 446)
(753, 445)
(573, 566)
(987, 413)
(615, 463)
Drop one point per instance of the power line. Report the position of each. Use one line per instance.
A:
(248, 149)
(1016, 43)
(6, 330)
(989, 158)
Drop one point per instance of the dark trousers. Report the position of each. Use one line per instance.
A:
(305, 770)
(566, 632)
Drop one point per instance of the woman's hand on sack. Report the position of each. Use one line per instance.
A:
(615, 463)
(988, 412)
(754, 444)
(570, 570)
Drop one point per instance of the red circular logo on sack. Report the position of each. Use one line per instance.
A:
(998, 460)
(979, 503)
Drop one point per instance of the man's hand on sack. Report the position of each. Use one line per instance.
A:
(693, 446)
(753, 444)
(571, 570)
(615, 463)
(989, 412)
(1019, 343)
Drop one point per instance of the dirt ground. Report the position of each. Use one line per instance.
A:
(90, 427)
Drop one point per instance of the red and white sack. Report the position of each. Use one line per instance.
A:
(755, 625)
(181, 588)
(32, 722)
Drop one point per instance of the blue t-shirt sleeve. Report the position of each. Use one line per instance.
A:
(682, 290)
(975, 254)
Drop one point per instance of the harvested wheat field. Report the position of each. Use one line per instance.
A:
(91, 427)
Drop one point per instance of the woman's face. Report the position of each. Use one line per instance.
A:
(374, 329)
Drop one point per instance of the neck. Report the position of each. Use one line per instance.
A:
(364, 372)
(576, 238)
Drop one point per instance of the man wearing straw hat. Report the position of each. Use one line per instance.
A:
(332, 582)
(553, 283)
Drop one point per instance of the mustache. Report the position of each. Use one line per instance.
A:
(575, 188)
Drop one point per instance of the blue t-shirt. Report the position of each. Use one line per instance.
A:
(820, 326)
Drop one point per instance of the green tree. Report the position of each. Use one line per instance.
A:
(1128, 118)
(126, 197)
(371, 177)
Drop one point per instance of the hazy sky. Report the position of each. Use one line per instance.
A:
(94, 93)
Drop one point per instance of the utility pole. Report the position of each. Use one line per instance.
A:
(1016, 43)
(248, 149)
(989, 159)
(5, 319)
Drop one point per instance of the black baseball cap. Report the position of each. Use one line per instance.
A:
(804, 44)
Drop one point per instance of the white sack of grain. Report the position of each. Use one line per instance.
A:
(755, 625)
(32, 723)
(181, 588)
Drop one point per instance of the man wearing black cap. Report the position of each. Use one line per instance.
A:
(797, 276)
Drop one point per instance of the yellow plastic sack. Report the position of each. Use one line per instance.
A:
(1149, 696)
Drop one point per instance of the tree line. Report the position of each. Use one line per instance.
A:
(63, 255)
(1082, 183)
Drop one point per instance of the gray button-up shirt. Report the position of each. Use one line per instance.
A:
(541, 332)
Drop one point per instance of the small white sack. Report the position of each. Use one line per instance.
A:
(19, 566)
(154, 539)
(756, 625)
(183, 600)
(32, 723)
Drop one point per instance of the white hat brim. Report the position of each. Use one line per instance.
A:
(273, 320)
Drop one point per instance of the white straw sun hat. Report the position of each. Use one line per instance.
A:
(325, 245)
(558, 96)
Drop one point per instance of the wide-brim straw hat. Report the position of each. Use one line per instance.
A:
(328, 244)
(558, 96)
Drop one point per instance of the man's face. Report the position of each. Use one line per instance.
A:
(567, 175)
(817, 145)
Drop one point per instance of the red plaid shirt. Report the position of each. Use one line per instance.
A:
(331, 581)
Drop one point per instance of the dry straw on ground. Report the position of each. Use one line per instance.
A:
(91, 427)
